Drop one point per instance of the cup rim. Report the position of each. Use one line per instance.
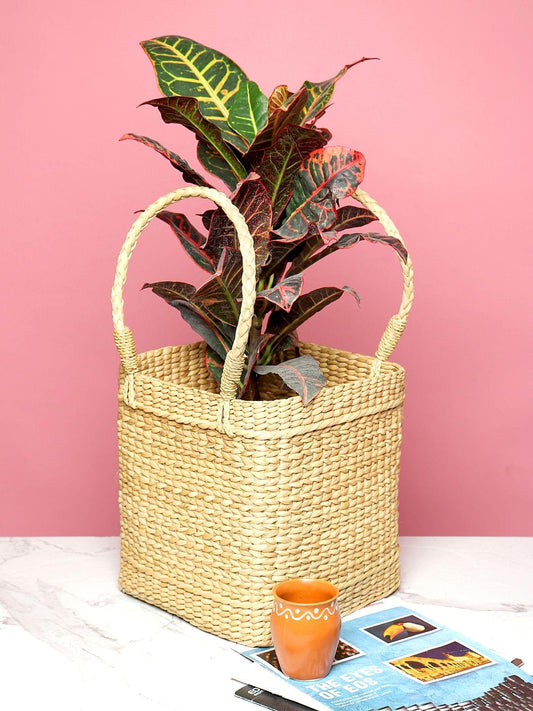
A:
(306, 580)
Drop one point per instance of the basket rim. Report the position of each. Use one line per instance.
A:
(388, 370)
(337, 404)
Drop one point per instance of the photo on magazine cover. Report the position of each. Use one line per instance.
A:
(345, 651)
(400, 628)
(442, 662)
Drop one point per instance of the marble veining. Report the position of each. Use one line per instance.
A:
(69, 639)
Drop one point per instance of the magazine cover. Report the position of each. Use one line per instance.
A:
(396, 658)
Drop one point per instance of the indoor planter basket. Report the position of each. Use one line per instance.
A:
(222, 498)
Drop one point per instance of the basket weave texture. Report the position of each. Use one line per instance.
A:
(222, 498)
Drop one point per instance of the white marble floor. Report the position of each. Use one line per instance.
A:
(69, 640)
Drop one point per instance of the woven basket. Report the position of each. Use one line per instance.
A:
(222, 498)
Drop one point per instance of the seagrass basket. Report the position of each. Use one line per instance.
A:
(222, 498)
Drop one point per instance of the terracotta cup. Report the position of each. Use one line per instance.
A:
(305, 625)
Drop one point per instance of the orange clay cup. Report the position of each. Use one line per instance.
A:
(305, 625)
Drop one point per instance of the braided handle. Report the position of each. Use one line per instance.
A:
(396, 325)
(234, 362)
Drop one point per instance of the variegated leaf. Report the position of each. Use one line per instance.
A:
(278, 97)
(187, 68)
(212, 161)
(303, 375)
(351, 217)
(255, 351)
(172, 290)
(186, 112)
(313, 248)
(251, 199)
(207, 217)
(284, 293)
(349, 239)
(286, 115)
(281, 254)
(204, 327)
(302, 251)
(248, 113)
(189, 174)
(319, 94)
(328, 175)
(305, 306)
(192, 239)
(182, 296)
(219, 296)
(282, 160)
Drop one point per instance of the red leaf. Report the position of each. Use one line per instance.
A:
(251, 199)
(282, 160)
(281, 117)
(189, 174)
(350, 217)
(328, 175)
(192, 240)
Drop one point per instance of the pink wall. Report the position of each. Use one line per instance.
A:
(444, 120)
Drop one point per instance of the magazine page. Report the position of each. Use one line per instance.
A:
(394, 658)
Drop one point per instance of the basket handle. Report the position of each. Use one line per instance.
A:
(235, 358)
(234, 362)
(396, 325)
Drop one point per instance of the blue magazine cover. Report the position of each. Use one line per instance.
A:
(396, 658)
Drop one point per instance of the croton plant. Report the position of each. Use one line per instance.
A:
(287, 183)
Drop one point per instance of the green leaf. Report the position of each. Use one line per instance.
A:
(328, 175)
(303, 375)
(251, 199)
(189, 174)
(248, 113)
(281, 323)
(281, 162)
(216, 165)
(319, 94)
(192, 240)
(284, 293)
(187, 68)
(186, 112)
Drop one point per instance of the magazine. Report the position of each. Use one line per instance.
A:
(395, 658)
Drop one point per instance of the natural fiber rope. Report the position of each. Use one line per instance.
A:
(211, 517)
(283, 430)
(396, 325)
(126, 348)
(235, 358)
(211, 521)
(124, 338)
